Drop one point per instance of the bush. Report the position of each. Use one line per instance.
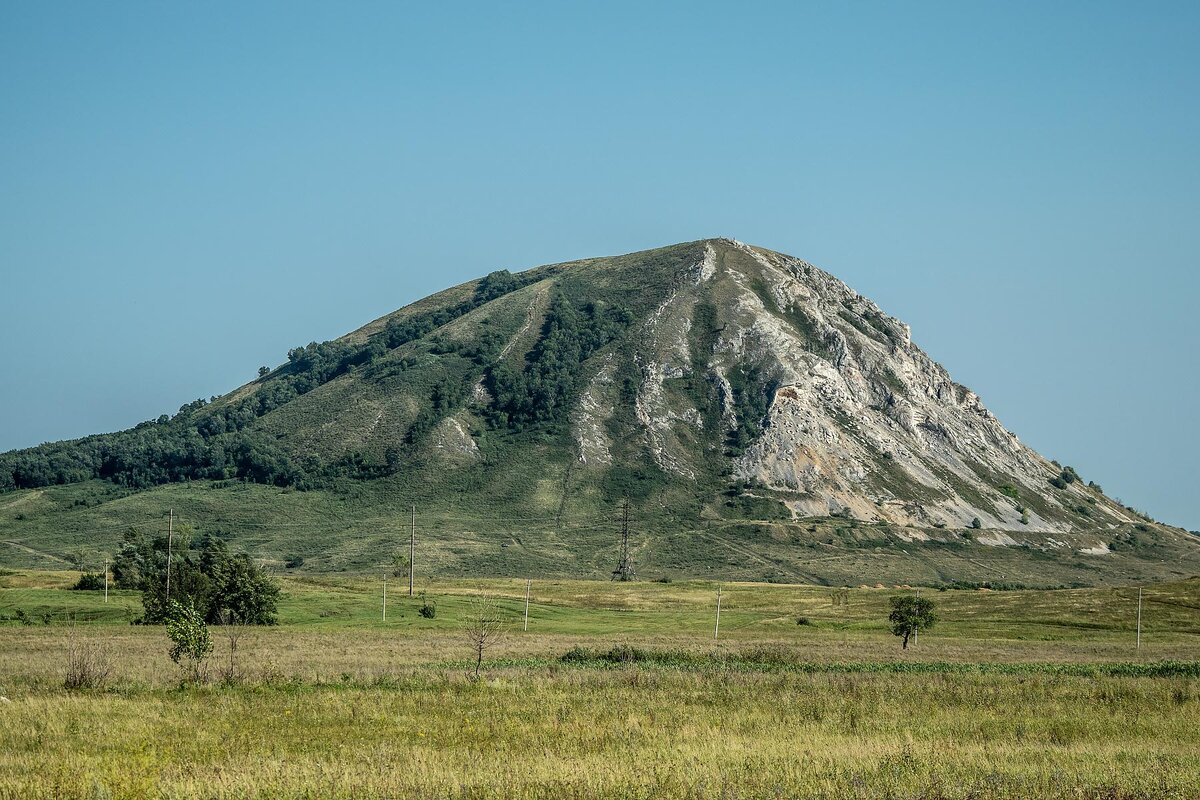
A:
(803, 621)
(428, 609)
(88, 664)
(89, 582)
(576, 655)
(624, 654)
(976, 524)
(294, 562)
(190, 642)
(1064, 478)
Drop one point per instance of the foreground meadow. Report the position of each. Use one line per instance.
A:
(615, 691)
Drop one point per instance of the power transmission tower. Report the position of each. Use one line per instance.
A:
(624, 570)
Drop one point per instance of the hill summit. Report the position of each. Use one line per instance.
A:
(763, 419)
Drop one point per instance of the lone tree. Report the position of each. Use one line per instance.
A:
(190, 642)
(909, 615)
(485, 628)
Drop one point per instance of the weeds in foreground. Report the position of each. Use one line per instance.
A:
(88, 663)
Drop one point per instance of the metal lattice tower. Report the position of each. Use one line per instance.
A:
(624, 570)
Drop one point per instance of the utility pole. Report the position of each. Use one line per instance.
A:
(717, 627)
(527, 582)
(624, 570)
(412, 551)
(106, 580)
(385, 598)
(1139, 619)
(170, 536)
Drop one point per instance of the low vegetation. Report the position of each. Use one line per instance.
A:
(616, 690)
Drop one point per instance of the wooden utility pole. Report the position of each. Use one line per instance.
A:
(170, 537)
(527, 582)
(1139, 619)
(624, 570)
(385, 598)
(717, 627)
(106, 580)
(412, 551)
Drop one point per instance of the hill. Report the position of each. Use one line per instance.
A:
(764, 420)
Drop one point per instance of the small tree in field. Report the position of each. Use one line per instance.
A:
(909, 615)
(190, 642)
(234, 627)
(485, 628)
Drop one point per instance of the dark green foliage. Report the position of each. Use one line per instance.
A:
(89, 582)
(784, 660)
(294, 562)
(909, 615)
(428, 608)
(976, 524)
(1064, 478)
(446, 396)
(1010, 491)
(210, 578)
(497, 284)
(541, 392)
(206, 443)
(995, 586)
(753, 388)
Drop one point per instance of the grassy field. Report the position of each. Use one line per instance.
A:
(1013, 695)
(359, 530)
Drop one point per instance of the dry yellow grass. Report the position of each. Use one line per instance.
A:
(336, 703)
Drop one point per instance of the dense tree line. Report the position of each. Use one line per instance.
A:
(541, 391)
(202, 442)
(218, 583)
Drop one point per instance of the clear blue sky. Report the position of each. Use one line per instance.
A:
(188, 190)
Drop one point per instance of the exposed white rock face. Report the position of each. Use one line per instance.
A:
(452, 439)
(595, 409)
(860, 419)
(664, 353)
